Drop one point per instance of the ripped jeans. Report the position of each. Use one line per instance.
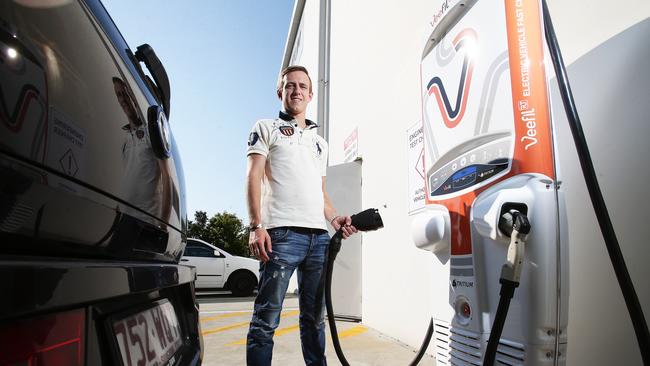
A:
(293, 248)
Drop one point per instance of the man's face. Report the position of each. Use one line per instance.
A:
(295, 94)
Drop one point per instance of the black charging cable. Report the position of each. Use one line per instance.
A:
(611, 242)
(332, 251)
(367, 220)
(515, 225)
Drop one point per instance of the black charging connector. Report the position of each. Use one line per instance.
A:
(367, 220)
(506, 218)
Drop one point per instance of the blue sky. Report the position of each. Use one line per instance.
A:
(222, 58)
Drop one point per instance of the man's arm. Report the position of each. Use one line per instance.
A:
(336, 221)
(259, 241)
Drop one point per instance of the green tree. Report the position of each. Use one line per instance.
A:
(198, 227)
(224, 230)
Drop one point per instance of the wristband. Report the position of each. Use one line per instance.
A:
(252, 228)
(332, 220)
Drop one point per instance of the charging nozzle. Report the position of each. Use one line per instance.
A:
(514, 220)
(515, 225)
(367, 220)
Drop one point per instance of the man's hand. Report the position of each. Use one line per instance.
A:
(344, 222)
(259, 243)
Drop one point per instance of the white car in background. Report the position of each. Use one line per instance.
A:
(218, 269)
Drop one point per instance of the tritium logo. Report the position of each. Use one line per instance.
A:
(460, 283)
(465, 41)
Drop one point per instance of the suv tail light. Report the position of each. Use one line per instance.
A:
(49, 340)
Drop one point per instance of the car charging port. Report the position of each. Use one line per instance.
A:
(506, 217)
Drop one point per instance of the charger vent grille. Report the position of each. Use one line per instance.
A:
(441, 341)
(510, 353)
(459, 347)
(465, 348)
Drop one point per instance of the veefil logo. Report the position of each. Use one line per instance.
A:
(465, 41)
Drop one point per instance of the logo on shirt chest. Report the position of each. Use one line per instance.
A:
(287, 130)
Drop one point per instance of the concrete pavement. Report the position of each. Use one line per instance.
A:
(224, 324)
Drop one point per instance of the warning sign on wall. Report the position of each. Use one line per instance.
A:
(351, 146)
(415, 144)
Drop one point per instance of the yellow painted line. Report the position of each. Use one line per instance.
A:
(227, 327)
(283, 331)
(240, 342)
(355, 331)
(228, 315)
(243, 324)
(278, 332)
(290, 313)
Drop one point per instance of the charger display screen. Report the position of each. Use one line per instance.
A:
(471, 168)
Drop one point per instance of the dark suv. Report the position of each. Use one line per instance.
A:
(92, 197)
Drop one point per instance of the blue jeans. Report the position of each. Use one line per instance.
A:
(293, 248)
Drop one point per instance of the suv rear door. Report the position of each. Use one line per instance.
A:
(76, 112)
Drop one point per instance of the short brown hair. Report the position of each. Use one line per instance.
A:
(289, 69)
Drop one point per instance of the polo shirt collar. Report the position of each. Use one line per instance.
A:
(286, 117)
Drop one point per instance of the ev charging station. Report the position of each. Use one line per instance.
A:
(489, 150)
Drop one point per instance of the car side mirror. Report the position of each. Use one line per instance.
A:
(217, 253)
(160, 86)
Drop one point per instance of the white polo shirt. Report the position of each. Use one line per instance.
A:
(296, 161)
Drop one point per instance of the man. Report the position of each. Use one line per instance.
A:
(288, 229)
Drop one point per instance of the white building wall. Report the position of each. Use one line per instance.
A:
(305, 51)
(581, 25)
(374, 81)
(374, 86)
